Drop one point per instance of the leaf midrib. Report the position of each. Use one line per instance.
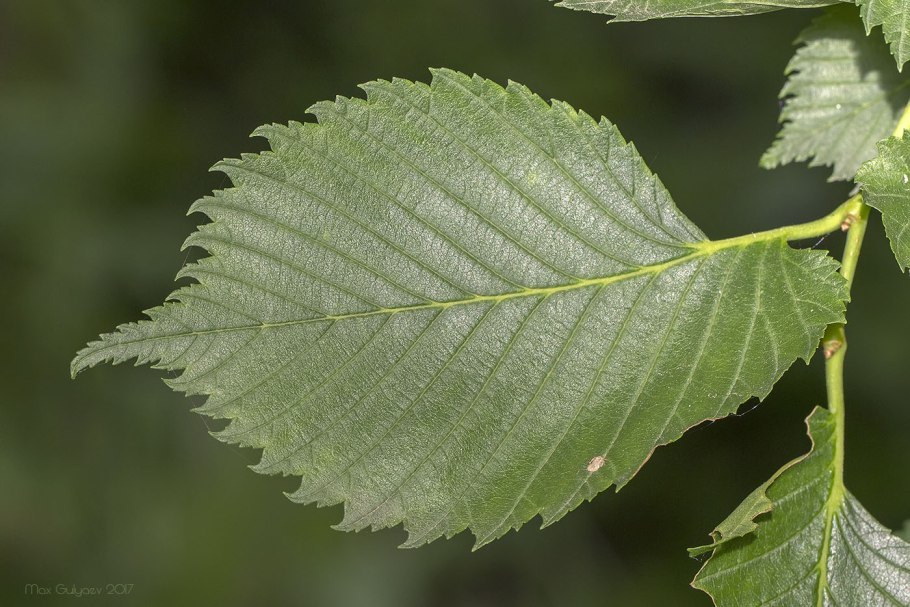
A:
(697, 250)
(832, 508)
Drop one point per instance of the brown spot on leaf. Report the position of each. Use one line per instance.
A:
(596, 463)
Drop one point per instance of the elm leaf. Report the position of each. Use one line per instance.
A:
(842, 96)
(817, 546)
(457, 306)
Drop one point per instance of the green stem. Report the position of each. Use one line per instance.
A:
(857, 232)
(835, 341)
(840, 217)
(834, 344)
(835, 349)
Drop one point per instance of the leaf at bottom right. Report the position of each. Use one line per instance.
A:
(816, 546)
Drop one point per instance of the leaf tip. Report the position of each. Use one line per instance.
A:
(76, 365)
(83, 359)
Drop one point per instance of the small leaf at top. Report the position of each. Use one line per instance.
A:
(637, 10)
(885, 182)
(842, 96)
(894, 17)
(458, 306)
(817, 546)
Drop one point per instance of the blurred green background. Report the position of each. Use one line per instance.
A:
(110, 115)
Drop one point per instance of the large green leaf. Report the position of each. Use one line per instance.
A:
(894, 17)
(459, 306)
(817, 546)
(843, 95)
(637, 10)
(886, 186)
